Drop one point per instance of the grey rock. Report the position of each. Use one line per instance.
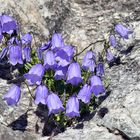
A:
(8, 134)
(81, 23)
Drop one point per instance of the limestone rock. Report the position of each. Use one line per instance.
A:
(81, 22)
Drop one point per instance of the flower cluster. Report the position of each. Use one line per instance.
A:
(62, 82)
(120, 32)
(14, 42)
(59, 64)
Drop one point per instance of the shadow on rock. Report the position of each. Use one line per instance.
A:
(102, 112)
(128, 50)
(88, 116)
(20, 124)
(51, 127)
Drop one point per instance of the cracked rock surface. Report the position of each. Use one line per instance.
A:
(81, 22)
(117, 117)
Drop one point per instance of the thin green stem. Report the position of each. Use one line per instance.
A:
(29, 90)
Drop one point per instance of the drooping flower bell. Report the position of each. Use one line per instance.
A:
(27, 51)
(13, 95)
(74, 74)
(3, 52)
(89, 61)
(41, 94)
(122, 31)
(35, 74)
(97, 86)
(8, 24)
(26, 39)
(15, 55)
(112, 41)
(60, 73)
(64, 55)
(100, 69)
(57, 41)
(49, 60)
(72, 107)
(85, 94)
(54, 104)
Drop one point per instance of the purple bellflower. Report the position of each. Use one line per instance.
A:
(60, 73)
(49, 60)
(112, 41)
(15, 55)
(26, 39)
(27, 51)
(122, 31)
(13, 95)
(89, 61)
(57, 41)
(35, 74)
(54, 104)
(8, 24)
(64, 55)
(97, 86)
(72, 107)
(74, 74)
(41, 94)
(3, 53)
(85, 94)
(100, 69)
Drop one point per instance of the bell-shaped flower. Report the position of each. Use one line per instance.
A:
(3, 53)
(57, 41)
(27, 51)
(110, 57)
(15, 55)
(13, 95)
(85, 93)
(49, 60)
(72, 107)
(89, 61)
(74, 74)
(97, 86)
(60, 73)
(8, 24)
(112, 41)
(69, 50)
(64, 55)
(123, 31)
(35, 74)
(26, 39)
(41, 94)
(100, 69)
(54, 104)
